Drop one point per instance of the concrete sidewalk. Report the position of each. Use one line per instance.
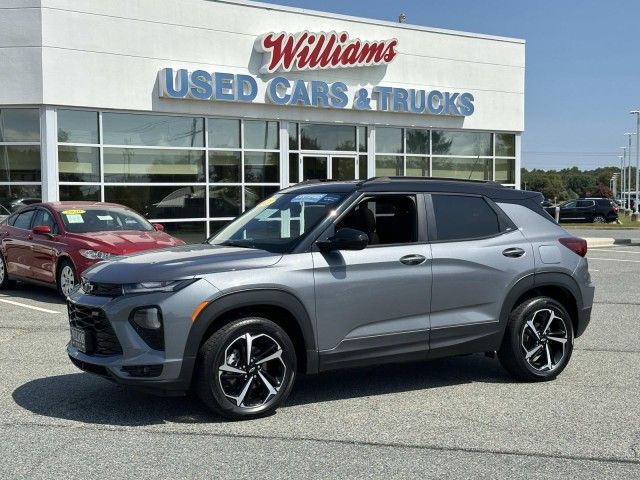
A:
(604, 237)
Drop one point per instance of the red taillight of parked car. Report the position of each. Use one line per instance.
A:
(575, 244)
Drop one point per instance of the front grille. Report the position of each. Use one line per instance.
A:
(103, 340)
(101, 289)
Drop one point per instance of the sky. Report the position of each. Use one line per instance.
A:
(582, 74)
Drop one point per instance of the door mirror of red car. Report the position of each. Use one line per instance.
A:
(158, 226)
(42, 229)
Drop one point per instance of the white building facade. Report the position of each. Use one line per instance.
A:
(193, 111)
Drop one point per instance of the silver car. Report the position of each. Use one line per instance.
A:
(327, 275)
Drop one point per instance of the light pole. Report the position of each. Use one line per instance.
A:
(624, 178)
(636, 214)
(621, 175)
(614, 185)
(628, 134)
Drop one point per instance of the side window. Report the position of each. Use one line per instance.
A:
(24, 220)
(461, 217)
(585, 203)
(12, 219)
(569, 205)
(44, 217)
(386, 219)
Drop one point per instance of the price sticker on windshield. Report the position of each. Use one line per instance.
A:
(73, 212)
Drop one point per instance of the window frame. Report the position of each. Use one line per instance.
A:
(22, 212)
(421, 213)
(505, 224)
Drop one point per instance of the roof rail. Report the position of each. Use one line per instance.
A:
(429, 179)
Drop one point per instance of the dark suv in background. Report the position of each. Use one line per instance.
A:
(594, 210)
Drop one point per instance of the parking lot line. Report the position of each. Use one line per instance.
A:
(39, 309)
(614, 260)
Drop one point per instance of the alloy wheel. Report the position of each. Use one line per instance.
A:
(252, 371)
(2, 271)
(67, 280)
(544, 339)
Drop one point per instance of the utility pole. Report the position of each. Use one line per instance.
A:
(628, 134)
(624, 178)
(636, 214)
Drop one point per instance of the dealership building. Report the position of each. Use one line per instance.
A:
(192, 111)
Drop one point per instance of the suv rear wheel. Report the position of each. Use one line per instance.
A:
(246, 369)
(599, 219)
(539, 340)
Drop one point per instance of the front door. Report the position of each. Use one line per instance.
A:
(374, 303)
(325, 167)
(44, 248)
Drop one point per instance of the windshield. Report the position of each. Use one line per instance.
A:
(102, 220)
(279, 222)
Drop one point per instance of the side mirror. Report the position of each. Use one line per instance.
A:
(42, 230)
(158, 226)
(345, 239)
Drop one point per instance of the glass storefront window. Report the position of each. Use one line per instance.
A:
(79, 164)
(260, 134)
(77, 126)
(463, 168)
(389, 140)
(462, 143)
(19, 163)
(152, 130)
(12, 197)
(255, 194)
(293, 168)
(417, 166)
(505, 170)
(343, 168)
(417, 141)
(225, 201)
(362, 167)
(389, 165)
(362, 139)
(293, 136)
(224, 133)
(505, 145)
(261, 167)
(217, 225)
(80, 192)
(328, 137)
(159, 201)
(150, 165)
(189, 232)
(19, 125)
(225, 167)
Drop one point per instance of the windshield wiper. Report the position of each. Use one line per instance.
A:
(236, 243)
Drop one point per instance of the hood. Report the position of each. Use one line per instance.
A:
(179, 262)
(124, 242)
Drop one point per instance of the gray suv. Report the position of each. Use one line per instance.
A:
(327, 275)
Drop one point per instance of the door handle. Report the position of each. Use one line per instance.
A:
(412, 259)
(513, 252)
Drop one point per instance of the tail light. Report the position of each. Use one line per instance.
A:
(575, 244)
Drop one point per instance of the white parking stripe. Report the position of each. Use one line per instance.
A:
(602, 249)
(614, 260)
(11, 302)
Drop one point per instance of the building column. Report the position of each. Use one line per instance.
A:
(49, 153)
(284, 154)
(518, 157)
(371, 152)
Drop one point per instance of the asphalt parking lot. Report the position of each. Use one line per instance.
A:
(461, 417)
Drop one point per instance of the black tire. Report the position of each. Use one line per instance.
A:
(5, 282)
(547, 349)
(227, 348)
(65, 264)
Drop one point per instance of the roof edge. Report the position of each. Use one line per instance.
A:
(372, 21)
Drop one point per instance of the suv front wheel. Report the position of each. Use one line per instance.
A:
(245, 369)
(539, 340)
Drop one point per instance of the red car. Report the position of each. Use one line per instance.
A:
(53, 243)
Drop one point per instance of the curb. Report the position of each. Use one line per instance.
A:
(610, 242)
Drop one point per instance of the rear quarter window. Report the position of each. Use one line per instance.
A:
(462, 217)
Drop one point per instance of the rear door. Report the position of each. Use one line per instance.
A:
(17, 244)
(585, 209)
(478, 255)
(568, 211)
(44, 248)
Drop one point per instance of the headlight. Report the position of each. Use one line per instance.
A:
(164, 286)
(95, 254)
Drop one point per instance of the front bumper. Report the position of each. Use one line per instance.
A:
(134, 362)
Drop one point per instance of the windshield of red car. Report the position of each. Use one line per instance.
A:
(80, 220)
